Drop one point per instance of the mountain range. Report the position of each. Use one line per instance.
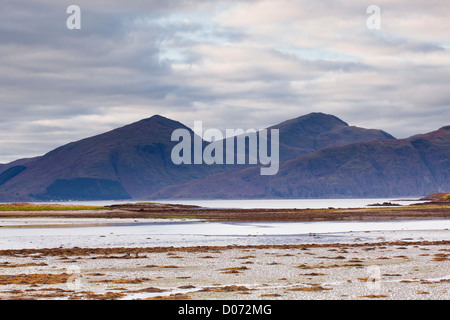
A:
(321, 156)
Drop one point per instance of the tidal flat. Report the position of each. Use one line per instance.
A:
(398, 263)
(388, 270)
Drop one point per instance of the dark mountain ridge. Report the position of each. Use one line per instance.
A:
(134, 162)
(383, 168)
(131, 161)
(315, 131)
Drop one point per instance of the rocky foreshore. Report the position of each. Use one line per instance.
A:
(396, 270)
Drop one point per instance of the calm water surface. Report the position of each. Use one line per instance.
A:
(268, 203)
(139, 233)
(51, 233)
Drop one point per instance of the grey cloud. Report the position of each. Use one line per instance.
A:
(404, 44)
(138, 58)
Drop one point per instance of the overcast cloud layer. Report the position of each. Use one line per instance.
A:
(231, 64)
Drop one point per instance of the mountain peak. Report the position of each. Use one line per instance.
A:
(312, 123)
(159, 119)
(135, 161)
(323, 117)
(318, 130)
(154, 123)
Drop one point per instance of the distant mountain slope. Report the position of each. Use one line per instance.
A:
(315, 131)
(135, 161)
(415, 166)
(20, 162)
(132, 161)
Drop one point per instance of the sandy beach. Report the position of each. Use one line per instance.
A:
(406, 265)
(396, 270)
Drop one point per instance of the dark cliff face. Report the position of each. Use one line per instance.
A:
(321, 156)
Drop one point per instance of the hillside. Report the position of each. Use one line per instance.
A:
(408, 167)
(134, 162)
(316, 131)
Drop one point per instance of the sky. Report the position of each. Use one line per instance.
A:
(231, 64)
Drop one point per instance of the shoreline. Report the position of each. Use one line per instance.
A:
(77, 251)
(29, 233)
(173, 211)
(406, 267)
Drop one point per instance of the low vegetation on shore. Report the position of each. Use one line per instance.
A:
(438, 198)
(437, 206)
(46, 207)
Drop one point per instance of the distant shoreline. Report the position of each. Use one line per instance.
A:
(174, 211)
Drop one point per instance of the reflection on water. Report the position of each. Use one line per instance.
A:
(145, 233)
